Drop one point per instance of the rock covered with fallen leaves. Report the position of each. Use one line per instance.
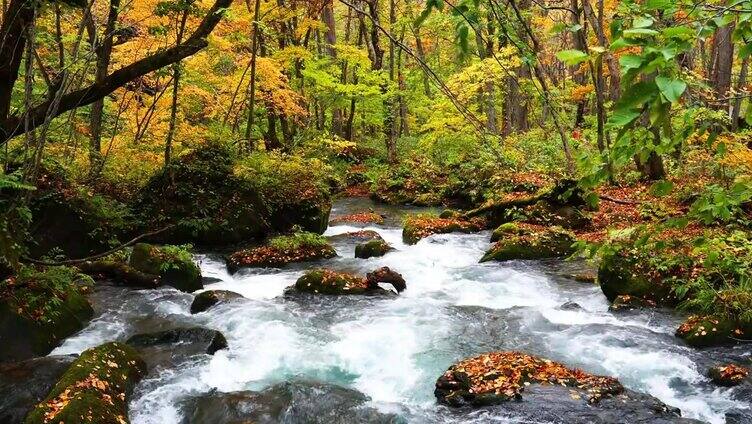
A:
(94, 389)
(418, 227)
(282, 250)
(526, 241)
(496, 377)
(705, 331)
(359, 218)
(326, 281)
(728, 375)
(550, 392)
(626, 302)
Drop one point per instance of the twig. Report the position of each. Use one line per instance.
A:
(618, 201)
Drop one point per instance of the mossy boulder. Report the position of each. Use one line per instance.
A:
(531, 242)
(625, 274)
(626, 302)
(361, 236)
(205, 300)
(420, 226)
(173, 265)
(40, 308)
(705, 331)
(326, 281)
(505, 230)
(544, 212)
(282, 250)
(373, 248)
(213, 203)
(94, 389)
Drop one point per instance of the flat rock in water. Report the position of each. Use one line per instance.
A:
(207, 299)
(171, 347)
(24, 384)
(292, 402)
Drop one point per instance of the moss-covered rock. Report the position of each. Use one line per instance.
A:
(622, 274)
(728, 375)
(505, 230)
(325, 281)
(626, 302)
(94, 389)
(531, 242)
(420, 226)
(704, 331)
(215, 201)
(362, 236)
(209, 298)
(281, 250)
(544, 212)
(38, 309)
(372, 249)
(174, 265)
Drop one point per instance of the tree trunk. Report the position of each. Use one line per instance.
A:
(252, 85)
(176, 73)
(485, 50)
(723, 61)
(740, 83)
(578, 42)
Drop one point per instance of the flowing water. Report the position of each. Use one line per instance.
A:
(393, 348)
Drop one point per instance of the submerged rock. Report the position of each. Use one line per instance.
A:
(362, 236)
(705, 331)
(531, 242)
(626, 302)
(728, 375)
(38, 309)
(373, 248)
(94, 389)
(421, 226)
(173, 265)
(292, 402)
(196, 339)
(209, 298)
(282, 250)
(325, 281)
(549, 391)
(24, 384)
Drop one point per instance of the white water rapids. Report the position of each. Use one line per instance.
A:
(393, 348)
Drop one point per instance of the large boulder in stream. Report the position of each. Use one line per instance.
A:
(545, 391)
(94, 389)
(291, 402)
(169, 348)
(728, 375)
(524, 241)
(372, 249)
(717, 330)
(174, 265)
(214, 200)
(39, 308)
(205, 300)
(624, 274)
(362, 236)
(282, 250)
(418, 227)
(24, 384)
(326, 281)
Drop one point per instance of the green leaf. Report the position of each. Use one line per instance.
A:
(661, 188)
(683, 32)
(640, 32)
(622, 118)
(745, 50)
(572, 57)
(630, 61)
(672, 89)
(643, 22)
(658, 4)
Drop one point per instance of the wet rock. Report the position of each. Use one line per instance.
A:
(292, 402)
(371, 249)
(549, 214)
(386, 275)
(95, 388)
(450, 214)
(728, 375)
(190, 340)
(325, 281)
(24, 384)
(626, 302)
(705, 331)
(620, 274)
(173, 265)
(546, 391)
(421, 226)
(360, 218)
(531, 242)
(506, 230)
(739, 416)
(570, 306)
(209, 298)
(282, 250)
(38, 309)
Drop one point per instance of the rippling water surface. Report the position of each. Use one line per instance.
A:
(393, 348)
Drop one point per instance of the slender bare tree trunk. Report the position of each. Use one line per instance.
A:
(176, 74)
(740, 83)
(252, 84)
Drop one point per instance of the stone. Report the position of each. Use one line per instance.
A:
(207, 299)
(371, 249)
(532, 242)
(174, 266)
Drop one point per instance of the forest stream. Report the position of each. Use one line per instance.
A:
(392, 348)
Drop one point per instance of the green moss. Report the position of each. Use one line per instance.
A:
(705, 331)
(371, 249)
(39, 308)
(173, 264)
(505, 230)
(553, 242)
(298, 240)
(621, 275)
(94, 389)
(323, 281)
